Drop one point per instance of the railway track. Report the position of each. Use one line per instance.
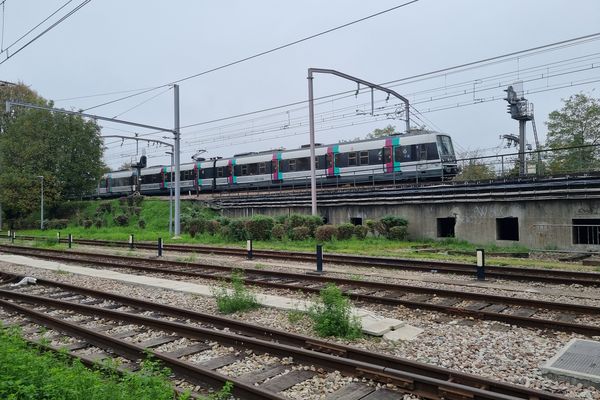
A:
(554, 276)
(512, 310)
(112, 324)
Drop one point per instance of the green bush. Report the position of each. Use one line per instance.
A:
(142, 224)
(224, 232)
(105, 207)
(295, 221)
(121, 220)
(312, 222)
(332, 315)
(281, 220)
(372, 226)
(345, 231)
(237, 230)
(300, 233)
(98, 223)
(224, 221)
(195, 226)
(278, 232)
(236, 297)
(259, 227)
(398, 233)
(87, 223)
(361, 232)
(326, 233)
(388, 222)
(135, 200)
(213, 227)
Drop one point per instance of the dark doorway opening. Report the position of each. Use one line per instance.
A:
(507, 228)
(356, 221)
(586, 231)
(445, 227)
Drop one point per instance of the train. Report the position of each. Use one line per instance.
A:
(407, 157)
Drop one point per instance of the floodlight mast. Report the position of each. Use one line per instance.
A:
(311, 115)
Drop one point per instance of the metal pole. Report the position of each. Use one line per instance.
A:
(313, 166)
(171, 197)
(42, 203)
(70, 240)
(319, 258)
(176, 151)
(522, 168)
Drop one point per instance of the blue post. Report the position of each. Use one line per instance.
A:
(319, 258)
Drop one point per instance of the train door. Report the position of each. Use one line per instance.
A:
(390, 161)
(332, 170)
(276, 175)
(231, 178)
(197, 180)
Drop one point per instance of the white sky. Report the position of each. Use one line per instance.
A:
(112, 45)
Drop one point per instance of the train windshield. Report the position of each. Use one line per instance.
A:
(446, 148)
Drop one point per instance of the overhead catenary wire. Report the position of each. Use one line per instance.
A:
(262, 53)
(55, 24)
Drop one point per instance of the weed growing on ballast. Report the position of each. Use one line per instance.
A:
(236, 296)
(332, 315)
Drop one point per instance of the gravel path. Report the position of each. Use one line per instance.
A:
(492, 349)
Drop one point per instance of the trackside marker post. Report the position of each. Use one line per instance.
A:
(319, 259)
(160, 247)
(480, 264)
(249, 249)
(58, 237)
(130, 242)
(70, 240)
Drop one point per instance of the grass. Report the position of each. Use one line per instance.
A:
(235, 297)
(156, 215)
(29, 373)
(332, 315)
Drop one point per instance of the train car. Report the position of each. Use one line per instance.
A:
(399, 157)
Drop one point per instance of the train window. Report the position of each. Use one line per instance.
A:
(376, 156)
(422, 151)
(432, 152)
(339, 161)
(406, 153)
(262, 168)
(303, 164)
(364, 158)
(220, 172)
(243, 170)
(292, 165)
(352, 158)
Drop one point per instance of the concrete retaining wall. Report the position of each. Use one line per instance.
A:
(542, 224)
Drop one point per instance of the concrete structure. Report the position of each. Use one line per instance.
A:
(533, 215)
(578, 363)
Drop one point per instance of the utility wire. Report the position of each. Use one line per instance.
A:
(143, 102)
(73, 11)
(265, 52)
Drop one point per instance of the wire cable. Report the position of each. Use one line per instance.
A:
(80, 6)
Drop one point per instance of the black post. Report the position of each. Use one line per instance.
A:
(249, 248)
(480, 264)
(130, 242)
(70, 240)
(160, 247)
(12, 237)
(319, 258)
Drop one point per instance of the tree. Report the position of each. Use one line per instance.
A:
(475, 171)
(576, 124)
(377, 133)
(65, 149)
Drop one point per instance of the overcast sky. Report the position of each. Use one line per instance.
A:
(112, 46)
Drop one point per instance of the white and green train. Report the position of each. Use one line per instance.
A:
(424, 156)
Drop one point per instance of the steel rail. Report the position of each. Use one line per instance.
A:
(555, 276)
(276, 279)
(430, 388)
